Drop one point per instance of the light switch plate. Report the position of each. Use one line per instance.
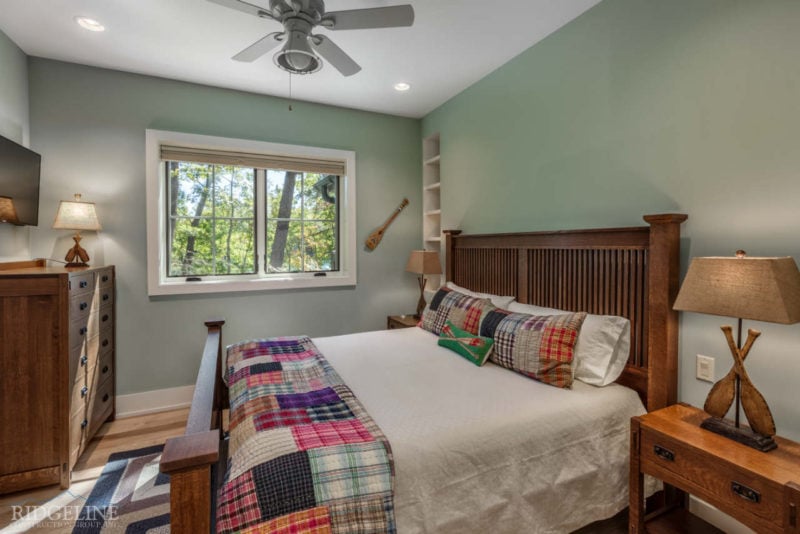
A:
(705, 368)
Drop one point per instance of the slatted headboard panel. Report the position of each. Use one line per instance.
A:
(632, 272)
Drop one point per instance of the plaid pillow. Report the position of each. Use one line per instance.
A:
(460, 309)
(474, 348)
(540, 347)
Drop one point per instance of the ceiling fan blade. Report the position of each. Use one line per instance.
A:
(260, 47)
(334, 55)
(376, 17)
(245, 7)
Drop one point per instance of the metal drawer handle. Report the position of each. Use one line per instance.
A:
(84, 360)
(82, 331)
(83, 306)
(83, 283)
(106, 296)
(105, 278)
(105, 397)
(105, 342)
(746, 493)
(85, 423)
(792, 514)
(666, 454)
(84, 391)
(105, 317)
(105, 369)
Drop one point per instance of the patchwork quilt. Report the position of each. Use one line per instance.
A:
(304, 455)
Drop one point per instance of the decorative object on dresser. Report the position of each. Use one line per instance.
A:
(423, 262)
(761, 491)
(375, 237)
(761, 289)
(76, 215)
(401, 321)
(56, 368)
(8, 213)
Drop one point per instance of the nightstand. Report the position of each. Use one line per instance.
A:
(401, 321)
(759, 489)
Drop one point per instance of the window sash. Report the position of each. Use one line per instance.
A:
(253, 160)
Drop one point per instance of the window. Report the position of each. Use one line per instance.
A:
(235, 215)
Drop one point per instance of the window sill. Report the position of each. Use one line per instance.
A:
(182, 287)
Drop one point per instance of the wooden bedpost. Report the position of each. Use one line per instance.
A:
(662, 287)
(189, 459)
(449, 250)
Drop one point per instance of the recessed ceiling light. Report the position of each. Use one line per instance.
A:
(90, 24)
(402, 86)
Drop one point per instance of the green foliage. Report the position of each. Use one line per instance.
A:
(212, 212)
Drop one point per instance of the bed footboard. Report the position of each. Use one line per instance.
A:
(191, 459)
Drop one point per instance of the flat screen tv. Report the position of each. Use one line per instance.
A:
(19, 181)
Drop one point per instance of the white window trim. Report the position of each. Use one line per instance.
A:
(157, 281)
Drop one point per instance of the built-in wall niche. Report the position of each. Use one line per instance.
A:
(431, 203)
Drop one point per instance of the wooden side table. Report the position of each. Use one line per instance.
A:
(401, 321)
(761, 490)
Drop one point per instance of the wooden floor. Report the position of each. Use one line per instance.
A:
(121, 435)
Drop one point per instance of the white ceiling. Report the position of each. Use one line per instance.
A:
(453, 44)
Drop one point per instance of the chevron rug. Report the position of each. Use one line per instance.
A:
(130, 496)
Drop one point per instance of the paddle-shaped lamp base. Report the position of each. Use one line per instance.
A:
(741, 434)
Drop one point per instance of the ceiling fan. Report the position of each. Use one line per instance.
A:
(299, 18)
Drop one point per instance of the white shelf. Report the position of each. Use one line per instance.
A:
(433, 187)
(433, 239)
(432, 203)
(433, 161)
(433, 213)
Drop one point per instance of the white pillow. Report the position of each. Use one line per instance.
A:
(603, 345)
(497, 300)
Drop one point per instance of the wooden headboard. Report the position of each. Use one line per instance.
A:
(631, 272)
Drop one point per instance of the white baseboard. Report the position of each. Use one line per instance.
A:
(159, 400)
(722, 521)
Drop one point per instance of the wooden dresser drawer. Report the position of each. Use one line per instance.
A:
(732, 488)
(101, 403)
(105, 278)
(105, 368)
(81, 283)
(80, 306)
(80, 395)
(78, 432)
(104, 296)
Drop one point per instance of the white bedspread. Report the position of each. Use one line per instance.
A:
(483, 449)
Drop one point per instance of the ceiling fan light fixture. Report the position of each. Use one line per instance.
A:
(90, 24)
(298, 61)
(402, 86)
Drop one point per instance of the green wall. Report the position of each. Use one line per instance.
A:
(646, 106)
(89, 125)
(14, 124)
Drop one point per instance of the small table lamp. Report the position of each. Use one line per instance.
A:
(423, 262)
(8, 214)
(76, 215)
(761, 289)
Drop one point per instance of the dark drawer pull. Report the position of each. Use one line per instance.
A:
(105, 369)
(82, 331)
(105, 397)
(83, 306)
(666, 454)
(105, 278)
(84, 360)
(105, 342)
(82, 284)
(105, 317)
(84, 423)
(84, 391)
(792, 514)
(106, 296)
(748, 494)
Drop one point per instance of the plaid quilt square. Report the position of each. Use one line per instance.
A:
(259, 448)
(371, 516)
(284, 485)
(237, 505)
(251, 408)
(330, 412)
(330, 433)
(312, 398)
(314, 521)
(278, 418)
(335, 477)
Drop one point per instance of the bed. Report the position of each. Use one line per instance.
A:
(451, 475)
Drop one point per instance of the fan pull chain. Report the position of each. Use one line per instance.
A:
(290, 91)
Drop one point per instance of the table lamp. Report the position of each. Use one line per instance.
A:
(76, 215)
(8, 214)
(761, 289)
(423, 262)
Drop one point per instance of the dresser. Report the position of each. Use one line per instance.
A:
(57, 330)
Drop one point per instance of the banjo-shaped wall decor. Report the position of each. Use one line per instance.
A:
(375, 237)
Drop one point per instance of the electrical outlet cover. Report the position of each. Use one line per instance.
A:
(705, 368)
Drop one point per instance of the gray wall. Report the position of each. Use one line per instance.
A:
(15, 125)
(646, 106)
(89, 125)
